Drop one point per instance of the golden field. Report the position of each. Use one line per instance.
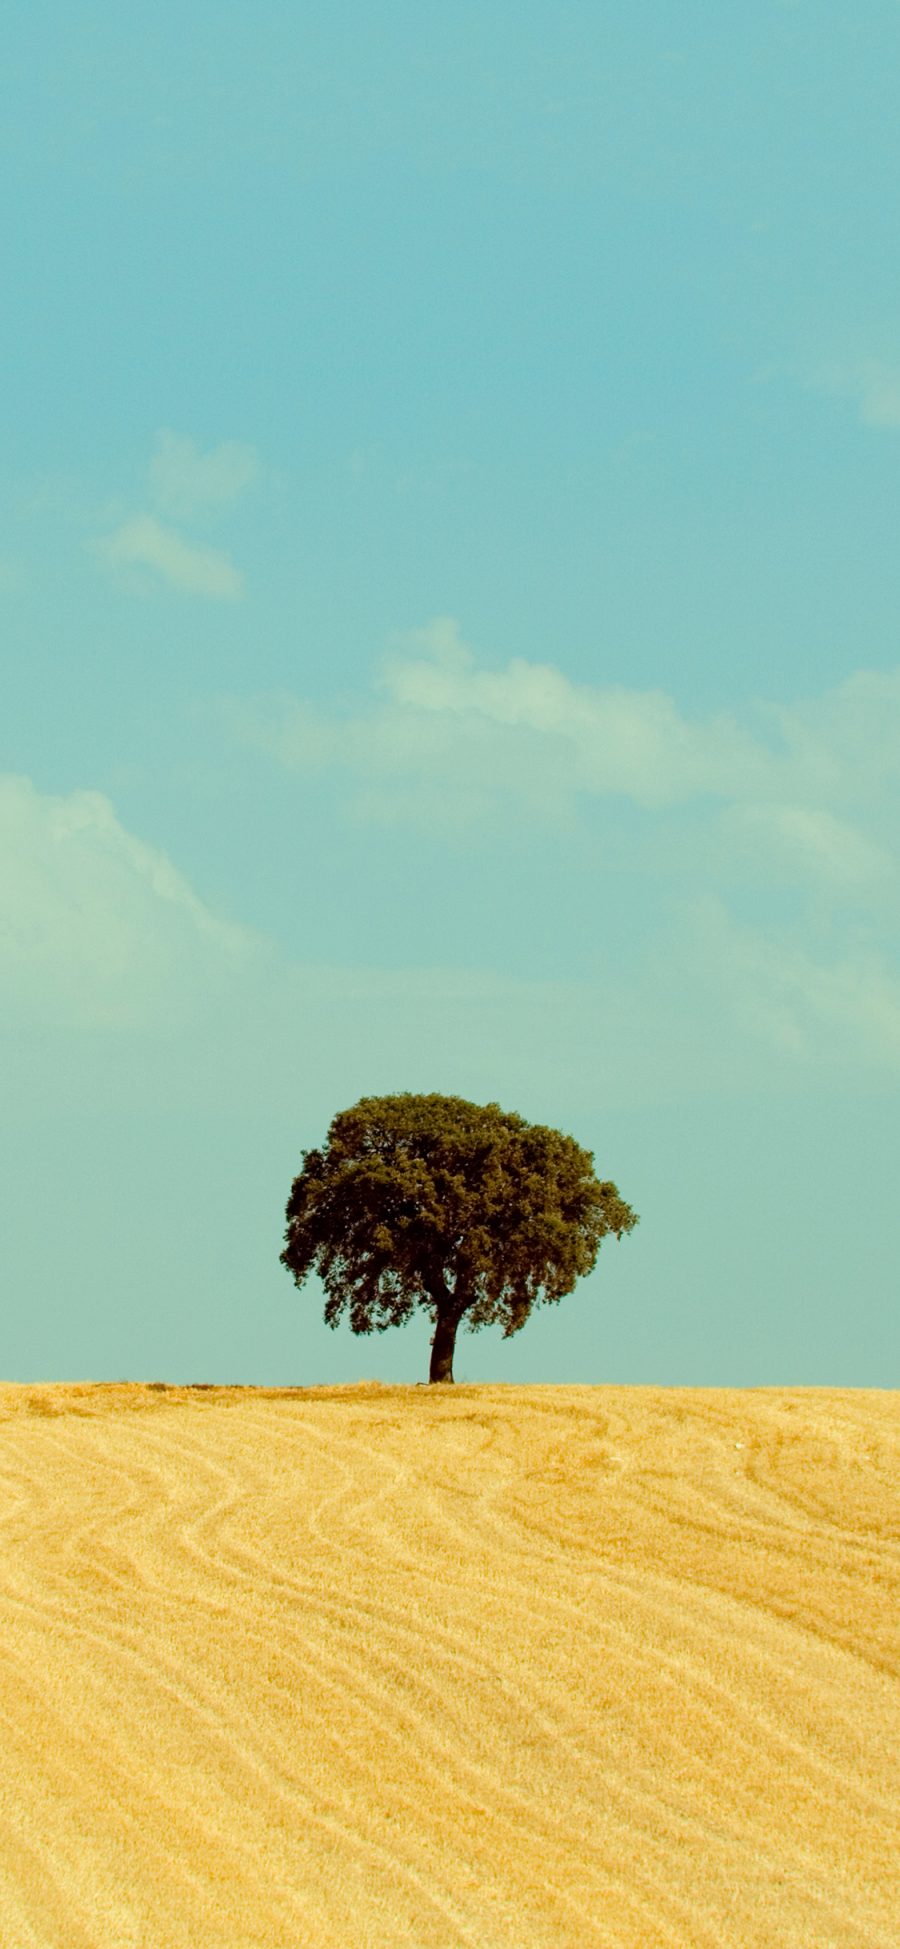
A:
(373, 1666)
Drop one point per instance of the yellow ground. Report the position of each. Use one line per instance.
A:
(367, 1667)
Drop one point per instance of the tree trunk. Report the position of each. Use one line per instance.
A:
(442, 1347)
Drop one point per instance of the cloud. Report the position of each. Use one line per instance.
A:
(879, 395)
(144, 543)
(444, 737)
(609, 739)
(788, 811)
(791, 841)
(185, 483)
(101, 931)
(464, 736)
(640, 745)
(97, 928)
(873, 386)
(102, 936)
(845, 743)
(843, 1011)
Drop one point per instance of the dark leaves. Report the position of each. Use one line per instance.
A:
(434, 1201)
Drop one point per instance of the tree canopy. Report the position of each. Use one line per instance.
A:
(460, 1208)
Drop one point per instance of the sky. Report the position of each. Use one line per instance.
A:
(450, 620)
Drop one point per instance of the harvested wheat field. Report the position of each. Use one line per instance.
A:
(505, 1666)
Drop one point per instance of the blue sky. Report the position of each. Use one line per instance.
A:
(449, 593)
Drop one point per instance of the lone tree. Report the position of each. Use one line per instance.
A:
(464, 1210)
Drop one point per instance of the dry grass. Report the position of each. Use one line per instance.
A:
(488, 1666)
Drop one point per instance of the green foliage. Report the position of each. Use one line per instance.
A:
(462, 1209)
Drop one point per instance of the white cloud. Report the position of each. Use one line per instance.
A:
(872, 385)
(879, 395)
(799, 797)
(185, 482)
(845, 744)
(839, 1012)
(96, 927)
(101, 933)
(447, 736)
(144, 543)
(186, 485)
(460, 737)
(790, 841)
(607, 739)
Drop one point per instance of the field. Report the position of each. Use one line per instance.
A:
(374, 1666)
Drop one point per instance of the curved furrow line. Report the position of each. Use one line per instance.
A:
(822, 1519)
(87, 1529)
(718, 1508)
(81, 1630)
(737, 1831)
(379, 1617)
(15, 1496)
(384, 1714)
(731, 1502)
(828, 1550)
(608, 1689)
(192, 1529)
(52, 1764)
(719, 1704)
(235, 1481)
(668, 1599)
(242, 1743)
(424, 1723)
(744, 1499)
(48, 1906)
(686, 1550)
(730, 1575)
(310, 1515)
(518, 1510)
(671, 1822)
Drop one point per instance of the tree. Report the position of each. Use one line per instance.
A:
(462, 1209)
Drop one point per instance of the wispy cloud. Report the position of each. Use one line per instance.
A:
(187, 486)
(184, 482)
(872, 385)
(787, 810)
(441, 729)
(100, 931)
(840, 1010)
(143, 543)
(461, 736)
(97, 927)
(787, 841)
